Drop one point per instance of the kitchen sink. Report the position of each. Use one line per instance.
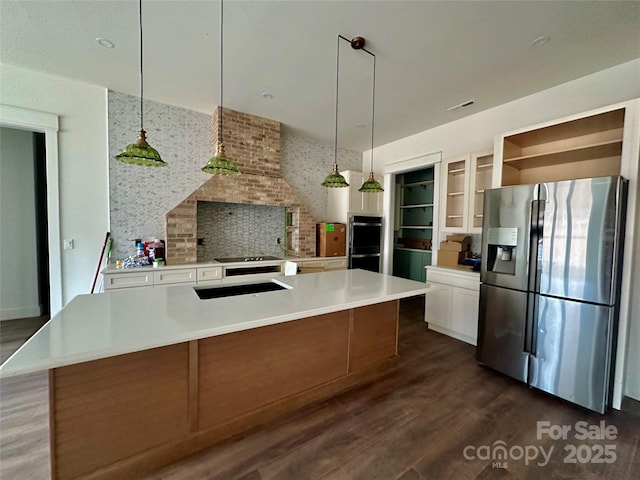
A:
(242, 289)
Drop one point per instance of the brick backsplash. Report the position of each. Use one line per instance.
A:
(255, 147)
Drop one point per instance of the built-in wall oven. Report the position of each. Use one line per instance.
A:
(365, 242)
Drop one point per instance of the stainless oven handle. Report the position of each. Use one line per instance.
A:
(362, 255)
(365, 224)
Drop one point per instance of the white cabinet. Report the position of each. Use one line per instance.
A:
(209, 274)
(128, 280)
(453, 308)
(342, 202)
(464, 181)
(455, 194)
(321, 265)
(163, 276)
(170, 277)
(481, 178)
(438, 306)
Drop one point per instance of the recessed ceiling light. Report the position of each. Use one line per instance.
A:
(360, 125)
(267, 96)
(105, 43)
(540, 41)
(461, 105)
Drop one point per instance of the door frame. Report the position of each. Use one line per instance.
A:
(48, 124)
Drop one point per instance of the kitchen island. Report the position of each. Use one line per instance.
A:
(139, 379)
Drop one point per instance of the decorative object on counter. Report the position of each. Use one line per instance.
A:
(334, 179)
(371, 185)
(158, 262)
(141, 153)
(153, 249)
(220, 164)
(136, 261)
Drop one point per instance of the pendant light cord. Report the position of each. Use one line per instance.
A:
(221, 70)
(335, 142)
(141, 69)
(373, 106)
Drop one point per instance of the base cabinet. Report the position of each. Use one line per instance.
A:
(453, 308)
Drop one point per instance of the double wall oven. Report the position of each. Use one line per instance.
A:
(365, 242)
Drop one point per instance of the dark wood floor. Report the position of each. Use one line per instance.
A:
(412, 424)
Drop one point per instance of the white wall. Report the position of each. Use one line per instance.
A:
(477, 132)
(83, 165)
(18, 251)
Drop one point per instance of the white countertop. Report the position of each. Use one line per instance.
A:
(103, 325)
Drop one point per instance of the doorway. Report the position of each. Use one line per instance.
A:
(45, 126)
(24, 257)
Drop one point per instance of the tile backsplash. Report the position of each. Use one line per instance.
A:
(239, 230)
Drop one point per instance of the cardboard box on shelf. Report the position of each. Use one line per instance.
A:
(418, 243)
(456, 243)
(450, 258)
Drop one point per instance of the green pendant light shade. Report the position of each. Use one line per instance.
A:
(220, 164)
(371, 185)
(141, 153)
(335, 179)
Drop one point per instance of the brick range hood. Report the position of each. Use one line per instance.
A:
(254, 143)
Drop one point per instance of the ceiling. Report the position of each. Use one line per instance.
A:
(430, 55)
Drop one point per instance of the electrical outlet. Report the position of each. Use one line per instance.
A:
(279, 240)
(68, 244)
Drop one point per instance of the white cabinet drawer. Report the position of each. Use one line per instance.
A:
(453, 279)
(128, 280)
(208, 274)
(174, 276)
(335, 264)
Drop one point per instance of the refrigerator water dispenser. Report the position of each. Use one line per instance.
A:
(502, 249)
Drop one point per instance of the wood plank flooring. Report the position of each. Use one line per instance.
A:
(413, 424)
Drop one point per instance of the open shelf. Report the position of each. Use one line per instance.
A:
(417, 184)
(606, 149)
(586, 147)
(423, 205)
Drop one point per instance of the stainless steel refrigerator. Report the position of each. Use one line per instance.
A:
(550, 280)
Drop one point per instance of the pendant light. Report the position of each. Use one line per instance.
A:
(141, 153)
(220, 164)
(334, 179)
(372, 185)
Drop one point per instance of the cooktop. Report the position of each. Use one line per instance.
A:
(246, 259)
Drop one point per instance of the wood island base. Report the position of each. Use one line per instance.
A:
(124, 416)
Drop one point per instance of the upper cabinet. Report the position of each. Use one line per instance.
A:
(481, 179)
(455, 193)
(583, 147)
(465, 179)
(342, 202)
